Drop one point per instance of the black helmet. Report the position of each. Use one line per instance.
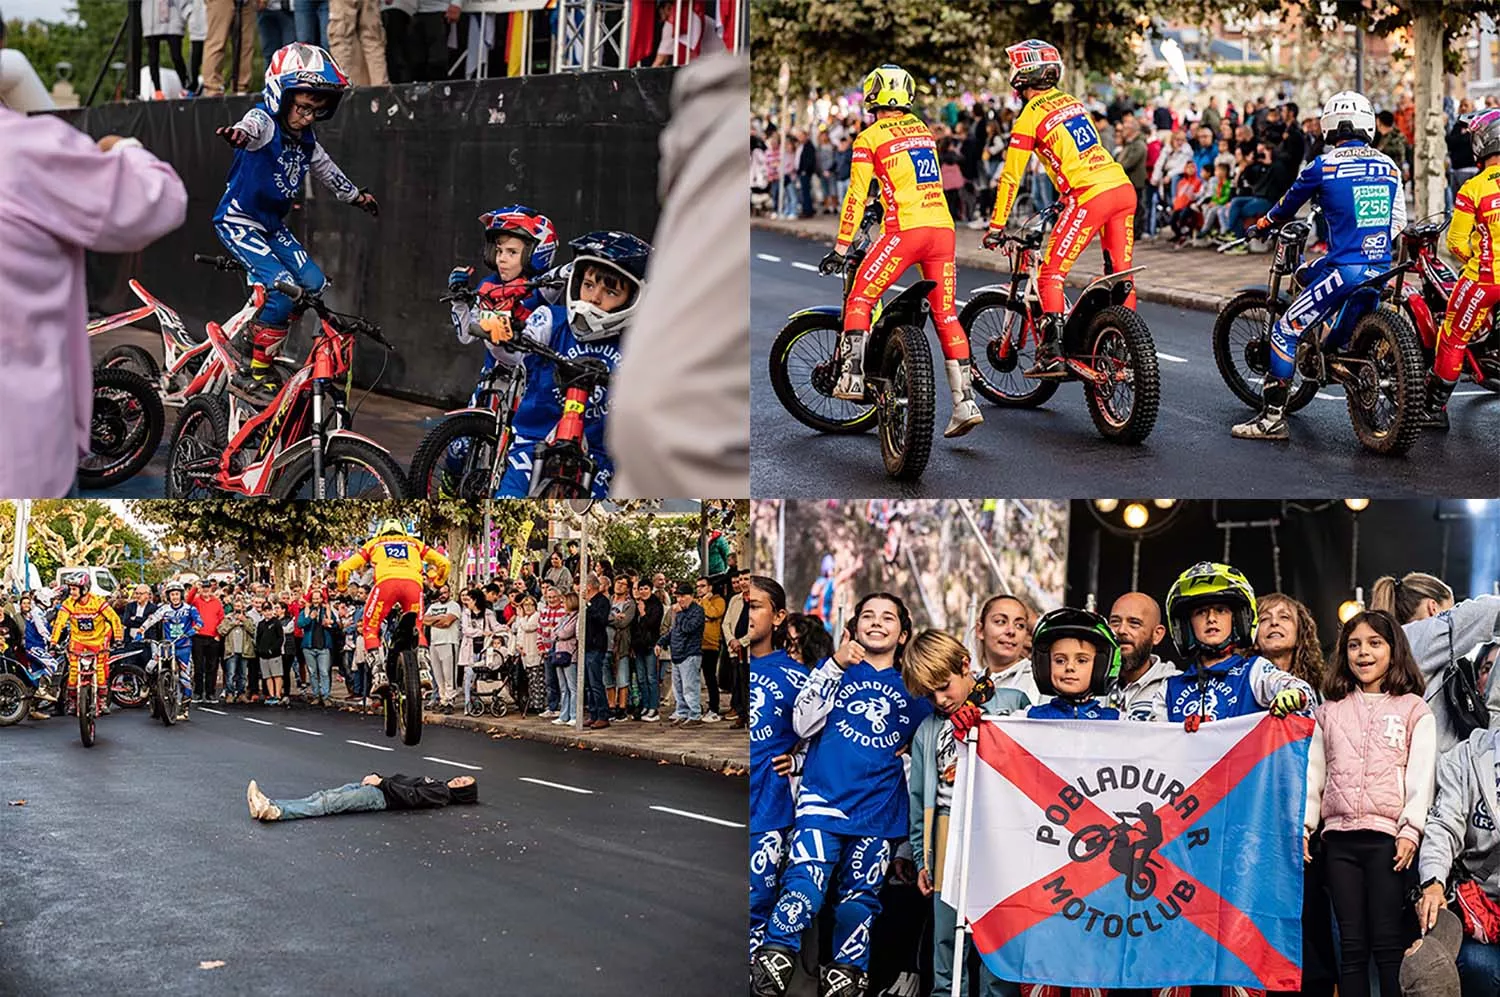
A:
(1082, 625)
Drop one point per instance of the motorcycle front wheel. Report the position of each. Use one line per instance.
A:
(351, 469)
(15, 699)
(166, 697)
(1242, 351)
(1386, 397)
(1124, 407)
(456, 460)
(86, 714)
(198, 441)
(125, 430)
(905, 403)
(804, 371)
(1003, 341)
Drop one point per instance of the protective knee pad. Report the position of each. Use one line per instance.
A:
(841, 980)
(771, 969)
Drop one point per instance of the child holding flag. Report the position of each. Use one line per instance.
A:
(852, 806)
(1075, 658)
(936, 667)
(1371, 771)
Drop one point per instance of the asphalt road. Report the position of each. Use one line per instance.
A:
(133, 862)
(1055, 452)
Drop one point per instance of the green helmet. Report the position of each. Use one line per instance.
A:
(391, 525)
(1082, 625)
(1208, 583)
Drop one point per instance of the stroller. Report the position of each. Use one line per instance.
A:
(501, 666)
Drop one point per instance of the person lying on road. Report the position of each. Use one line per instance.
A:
(373, 792)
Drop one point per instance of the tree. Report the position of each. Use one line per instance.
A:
(82, 41)
(649, 543)
(70, 532)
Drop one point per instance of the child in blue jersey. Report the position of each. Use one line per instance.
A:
(275, 149)
(179, 622)
(519, 244)
(775, 680)
(1075, 658)
(852, 807)
(1359, 189)
(1211, 615)
(936, 666)
(604, 284)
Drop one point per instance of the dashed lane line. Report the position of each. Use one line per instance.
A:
(263, 723)
(207, 710)
(1170, 358)
(367, 744)
(804, 266)
(768, 257)
(303, 730)
(703, 817)
(462, 765)
(558, 785)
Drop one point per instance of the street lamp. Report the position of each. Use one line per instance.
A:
(1106, 505)
(1357, 505)
(1136, 515)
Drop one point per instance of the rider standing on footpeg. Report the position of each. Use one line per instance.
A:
(274, 149)
(1359, 189)
(897, 155)
(1096, 193)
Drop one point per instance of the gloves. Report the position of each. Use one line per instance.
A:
(1261, 226)
(233, 136)
(458, 278)
(366, 202)
(993, 238)
(965, 719)
(1191, 722)
(831, 264)
(1288, 701)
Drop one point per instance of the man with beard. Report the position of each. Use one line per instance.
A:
(1136, 620)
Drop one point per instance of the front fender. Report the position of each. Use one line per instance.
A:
(466, 410)
(832, 310)
(304, 445)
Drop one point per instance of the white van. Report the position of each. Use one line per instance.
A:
(102, 581)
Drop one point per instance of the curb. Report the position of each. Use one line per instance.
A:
(1179, 299)
(711, 763)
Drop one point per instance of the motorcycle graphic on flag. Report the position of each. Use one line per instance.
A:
(1108, 854)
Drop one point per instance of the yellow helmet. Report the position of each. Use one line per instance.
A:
(1208, 583)
(889, 87)
(391, 526)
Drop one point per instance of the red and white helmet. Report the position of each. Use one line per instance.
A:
(306, 68)
(1034, 63)
(528, 224)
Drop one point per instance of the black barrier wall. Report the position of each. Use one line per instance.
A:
(581, 148)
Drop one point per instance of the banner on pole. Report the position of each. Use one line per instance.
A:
(518, 554)
(1109, 854)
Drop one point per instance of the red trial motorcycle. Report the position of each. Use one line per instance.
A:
(1425, 301)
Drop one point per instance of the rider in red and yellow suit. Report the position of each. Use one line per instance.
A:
(399, 561)
(92, 627)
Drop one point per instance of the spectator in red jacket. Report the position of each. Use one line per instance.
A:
(208, 649)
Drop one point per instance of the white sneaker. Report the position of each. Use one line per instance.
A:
(651, 717)
(560, 722)
(548, 714)
(260, 804)
(1266, 426)
(711, 717)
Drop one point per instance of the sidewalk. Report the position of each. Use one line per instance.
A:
(1188, 278)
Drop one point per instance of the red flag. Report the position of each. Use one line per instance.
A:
(642, 31)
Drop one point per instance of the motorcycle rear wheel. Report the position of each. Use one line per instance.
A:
(125, 430)
(127, 685)
(1119, 343)
(411, 706)
(132, 357)
(906, 409)
(1385, 337)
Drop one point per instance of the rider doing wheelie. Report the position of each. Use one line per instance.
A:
(1096, 193)
(1359, 190)
(92, 626)
(1472, 237)
(275, 148)
(897, 156)
(398, 559)
(179, 622)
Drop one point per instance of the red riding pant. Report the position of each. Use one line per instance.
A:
(1111, 215)
(403, 592)
(931, 251)
(1469, 306)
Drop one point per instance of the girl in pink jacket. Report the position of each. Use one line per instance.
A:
(1371, 771)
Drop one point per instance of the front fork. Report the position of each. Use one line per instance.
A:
(319, 490)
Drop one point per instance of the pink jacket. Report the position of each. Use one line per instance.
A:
(1372, 765)
(60, 195)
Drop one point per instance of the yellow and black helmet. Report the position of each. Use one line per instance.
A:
(889, 87)
(1209, 583)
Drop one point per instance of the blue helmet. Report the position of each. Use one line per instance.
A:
(620, 252)
(306, 68)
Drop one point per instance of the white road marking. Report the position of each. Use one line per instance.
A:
(1329, 398)
(299, 730)
(1170, 358)
(367, 744)
(207, 710)
(462, 765)
(768, 257)
(1465, 394)
(804, 266)
(263, 723)
(558, 785)
(702, 817)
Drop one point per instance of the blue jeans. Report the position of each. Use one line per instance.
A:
(554, 693)
(277, 28)
(1478, 967)
(566, 677)
(648, 677)
(594, 663)
(320, 676)
(349, 798)
(855, 867)
(1241, 210)
(687, 684)
(234, 674)
(268, 259)
(312, 22)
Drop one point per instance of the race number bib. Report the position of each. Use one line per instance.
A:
(1082, 130)
(396, 552)
(85, 624)
(1372, 205)
(924, 161)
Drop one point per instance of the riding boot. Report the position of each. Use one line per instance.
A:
(841, 980)
(255, 385)
(1049, 361)
(1435, 408)
(966, 413)
(378, 682)
(1271, 423)
(771, 969)
(851, 382)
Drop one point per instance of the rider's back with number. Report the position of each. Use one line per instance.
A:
(1359, 190)
(900, 156)
(1476, 225)
(1056, 126)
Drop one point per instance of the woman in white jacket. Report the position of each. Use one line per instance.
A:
(477, 624)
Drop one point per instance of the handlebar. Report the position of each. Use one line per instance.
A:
(468, 294)
(588, 367)
(225, 263)
(346, 323)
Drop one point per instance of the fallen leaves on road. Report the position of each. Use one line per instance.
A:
(211, 964)
(17, 803)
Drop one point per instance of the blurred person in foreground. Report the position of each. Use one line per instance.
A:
(62, 193)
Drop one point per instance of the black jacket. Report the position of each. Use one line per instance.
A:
(597, 624)
(268, 638)
(646, 629)
(420, 792)
(132, 616)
